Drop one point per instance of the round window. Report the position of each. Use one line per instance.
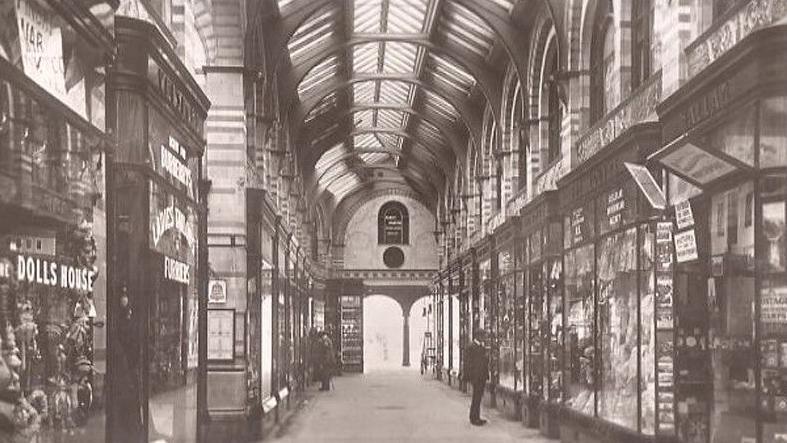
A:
(393, 257)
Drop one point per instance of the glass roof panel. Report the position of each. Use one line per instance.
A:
(367, 16)
(366, 57)
(388, 118)
(407, 16)
(312, 32)
(460, 25)
(363, 92)
(329, 157)
(283, 3)
(326, 104)
(343, 185)
(399, 58)
(390, 141)
(363, 119)
(439, 105)
(394, 92)
(371, 158)
(506, 5)
(323, 71)
(367, 140)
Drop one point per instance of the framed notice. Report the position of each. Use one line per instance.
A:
(221, 334)
(217, 291)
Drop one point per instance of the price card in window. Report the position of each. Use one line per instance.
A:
(685, 246)
(684, 217)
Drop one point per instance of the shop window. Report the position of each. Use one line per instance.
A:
(580, 315)
(735, 137)
(641, 37)
(393, 224)
(618, 328)
(602, 56)
(773, 132)
(730, 234)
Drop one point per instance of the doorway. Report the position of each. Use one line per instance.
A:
(382, 333)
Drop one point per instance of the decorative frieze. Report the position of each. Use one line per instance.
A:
(640, 107)
(709, 47)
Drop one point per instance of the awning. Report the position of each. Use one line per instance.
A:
(694, 161)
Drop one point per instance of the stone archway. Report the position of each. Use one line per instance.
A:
(382, 326)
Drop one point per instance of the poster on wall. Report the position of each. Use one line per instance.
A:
(685, 246)
(664, 292)
(173, 225)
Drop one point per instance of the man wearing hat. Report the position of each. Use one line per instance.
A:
(477, 373)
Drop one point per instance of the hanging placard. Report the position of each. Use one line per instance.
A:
(42, 47)
(684, 216)
(685, 246)
(647, 184)
(217, 291)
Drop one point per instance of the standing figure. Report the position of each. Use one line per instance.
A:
(477, 373)
(326, 361)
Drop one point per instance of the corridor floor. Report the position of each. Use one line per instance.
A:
(396, 406)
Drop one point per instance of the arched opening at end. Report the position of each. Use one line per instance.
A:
(382, 333)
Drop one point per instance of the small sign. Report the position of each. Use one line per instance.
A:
(684, 215)
(663, 232)
(647, 184)
(176, 270)
(685, 246)
(217, 291)
(615, 206)
(42, 46)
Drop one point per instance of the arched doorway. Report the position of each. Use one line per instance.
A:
(382, 333)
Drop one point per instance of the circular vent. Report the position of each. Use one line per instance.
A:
(393, 257)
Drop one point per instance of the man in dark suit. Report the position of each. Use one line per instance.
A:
(477, 373)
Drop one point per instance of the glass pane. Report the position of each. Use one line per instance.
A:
(535, 328)
(618, 328)
(507, 330)
(554, 364)
(736, 137)
(455, 332)
(520, 329)
(580, 352)
(731, 302)
(732, 229)
(773, 132)
(773, 312)
(647, 331)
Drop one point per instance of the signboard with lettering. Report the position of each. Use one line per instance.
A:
(173, 225)
(685, 246)
(51, 272)
(176, 270)
(170, 158)
(42, 46)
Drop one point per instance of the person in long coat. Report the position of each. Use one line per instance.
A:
(476, 371)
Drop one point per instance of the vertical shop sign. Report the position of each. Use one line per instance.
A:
(578, 225)
(615, 206)
(42, 47)
(665, 380)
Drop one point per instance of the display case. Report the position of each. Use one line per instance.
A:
(509, 320)
(352, 333)
(541, 234)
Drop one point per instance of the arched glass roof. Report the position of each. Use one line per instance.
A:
(383, 83)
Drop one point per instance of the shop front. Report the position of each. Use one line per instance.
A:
(541, 240)
(510, 319)
(485, 312)
(453, 327)
(726, 152)
(53, 152)
(157, 224)
(468, 298)
(611, 274)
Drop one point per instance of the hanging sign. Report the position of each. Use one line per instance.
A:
(217, 291)
(42, 47)
(684, 216)
(685, 246)
(647, 184)
(50, 273)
